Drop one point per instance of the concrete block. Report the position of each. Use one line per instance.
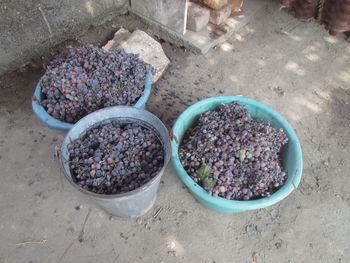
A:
(204, 40)
(197, 17)
(169, 13)
(214, 4)
(218, 17)
(119, 38)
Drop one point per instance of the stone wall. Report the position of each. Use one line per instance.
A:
(28, 28)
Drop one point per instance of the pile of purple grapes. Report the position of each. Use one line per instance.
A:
(233, 156)
(85, 78)
(115, 158)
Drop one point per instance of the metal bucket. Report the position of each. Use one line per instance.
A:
(134, 203)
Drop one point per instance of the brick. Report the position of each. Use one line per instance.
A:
(197, 17)
(218, 17)
(214, 4)
(236, 5)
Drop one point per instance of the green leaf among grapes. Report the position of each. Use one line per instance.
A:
(241, 154)
(204, 172)
(204, 175)
(208, 183)
(248, 155)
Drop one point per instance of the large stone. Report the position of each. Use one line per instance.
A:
(218, 17)
(197, 17)
(119, 38)
(148, 49)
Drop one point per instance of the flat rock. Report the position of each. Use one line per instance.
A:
(119, 38)
(148, 49)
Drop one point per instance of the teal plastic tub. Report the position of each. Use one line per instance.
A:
(56, 124)
(292, 156)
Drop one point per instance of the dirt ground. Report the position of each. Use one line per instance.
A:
(293, 66)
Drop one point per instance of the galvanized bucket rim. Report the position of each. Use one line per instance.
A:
(132, 192)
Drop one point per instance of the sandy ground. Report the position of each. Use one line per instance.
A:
(293, 66)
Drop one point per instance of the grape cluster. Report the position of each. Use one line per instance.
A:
(115, 158)
(243, 154)
(85, 78)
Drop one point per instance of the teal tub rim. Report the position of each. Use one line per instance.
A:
(56, 124)
(222, 204)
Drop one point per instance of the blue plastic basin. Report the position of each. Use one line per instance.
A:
(292, 156)
(56, 124)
